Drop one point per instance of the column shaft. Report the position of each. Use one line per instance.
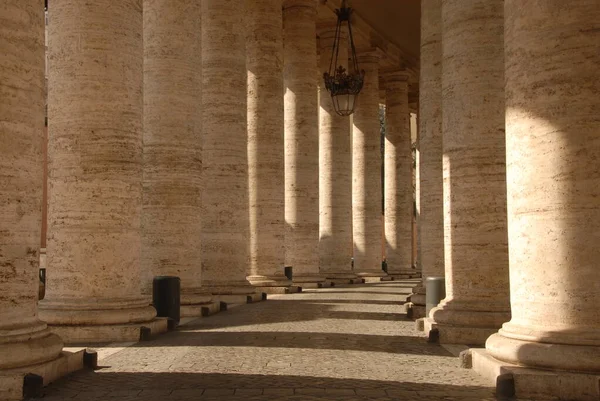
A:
(553, 148)
(24, 339)
(335, 172)
(475, 227)
(264, 58)
(431, 216)
(301, 140)
(171, 218)
(398, 184)
(366, 174)
(225, 224)
(95, 169)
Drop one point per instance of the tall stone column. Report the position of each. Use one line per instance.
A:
(366, 174)
(335, 172)
(398, 184)
(301, 140)
(24, 339)
(431, 216)
(225, 209)
(264, 58)
(553, 148)
(95, 60)
(171, 218)
(475, 226)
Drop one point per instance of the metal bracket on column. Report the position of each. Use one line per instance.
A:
(434, 336)
(505, 385)
(145, 333)
(223, 306)
(33, 386)
(90, 359)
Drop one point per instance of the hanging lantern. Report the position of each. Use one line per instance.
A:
(343, 84)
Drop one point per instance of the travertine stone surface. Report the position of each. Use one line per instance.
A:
(264, 60)
(225, 221)
(24, 339)
(366, 173)
(398, 197)
(301, 139)
(475, 227)
(553, 148)
(335, 171)
(431, 217)
(95, 164)
(171, 218)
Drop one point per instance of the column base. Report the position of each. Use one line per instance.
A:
(374, 277)
(197, 302)
(28, 345)
(311, 281)
(400, 274)
(447, 334)
(96, 334)
(269, 281)
(235, 293)
(291, 289)
(516, 381)
(13, 385)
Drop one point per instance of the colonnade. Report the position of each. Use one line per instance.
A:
(181, 145)
(509, 150)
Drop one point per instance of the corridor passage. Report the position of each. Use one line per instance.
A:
(343, 343)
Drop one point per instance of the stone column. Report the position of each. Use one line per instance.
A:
(475, 227)
(24, 339)
(171, 217)
(431, 217)
(95, 82)
(398, 184)
(366, 174)
(335, 172)
(225, 209)
(553, 148)
(301, 141)
(264, 58)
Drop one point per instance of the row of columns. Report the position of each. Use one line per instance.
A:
(509, 186)
(167, 158)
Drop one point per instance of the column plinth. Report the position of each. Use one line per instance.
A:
(225, 208)
(431, 213)
(551, 346)
(301, 140)
(171, 218)
(95, 172)
(366, 174)
(398, 197)
(475, 227)
(335, 172)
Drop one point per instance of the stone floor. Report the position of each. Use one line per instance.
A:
(342, 343)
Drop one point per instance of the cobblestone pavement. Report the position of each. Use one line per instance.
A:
(344, 343)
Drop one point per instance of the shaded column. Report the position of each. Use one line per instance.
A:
(366, 174)
(301, 140)
(171, 218)
(398, 184)
(24, 339)
(335, 172)
(475, 226)
(225, 209)
(431, 216)
(95, 171)
(264, 58)
(553, 148)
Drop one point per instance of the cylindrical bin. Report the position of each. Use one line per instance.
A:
(166, 297)
(289, 272)
(435, 291)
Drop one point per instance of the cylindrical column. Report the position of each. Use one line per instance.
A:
(24, 339)
(335, 172)
(553, 149)
(171, 217)
(431, 205)
(366, 174)
(301, 140)
(475, 227)
(225, 220)
(398, 185)
(264, 59)
(95, 169)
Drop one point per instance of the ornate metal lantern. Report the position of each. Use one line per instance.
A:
(343, 84)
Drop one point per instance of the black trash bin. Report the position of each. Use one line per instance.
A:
(166, 298)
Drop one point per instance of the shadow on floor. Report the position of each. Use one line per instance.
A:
(183, 386)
